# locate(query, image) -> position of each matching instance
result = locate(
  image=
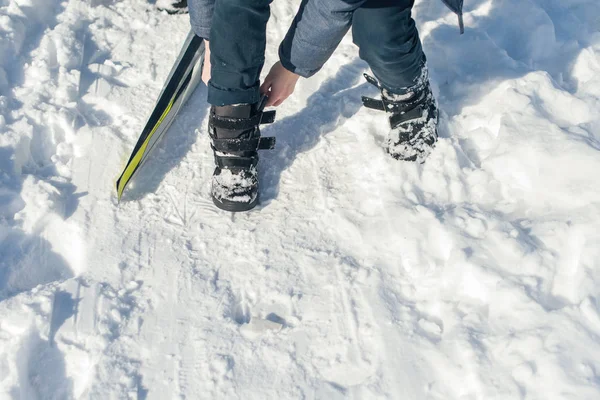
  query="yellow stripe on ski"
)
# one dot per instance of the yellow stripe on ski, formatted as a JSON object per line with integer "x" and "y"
{"x": 135, "y": 161}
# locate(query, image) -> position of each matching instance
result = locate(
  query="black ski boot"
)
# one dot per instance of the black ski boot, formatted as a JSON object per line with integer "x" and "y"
{"x": 235, "y": 139}
{"x": 173, "y": 6}
{"x": 413, "y": 119}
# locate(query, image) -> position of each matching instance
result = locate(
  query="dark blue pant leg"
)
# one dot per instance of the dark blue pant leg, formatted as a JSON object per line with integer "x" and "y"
{"x": 237, "y": 44}
{"x": 201, "y": 12}
{"x": 389, "y": 42}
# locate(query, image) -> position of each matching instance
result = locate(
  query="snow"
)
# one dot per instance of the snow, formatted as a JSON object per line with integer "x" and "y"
{"x": 233, "y": 186}
{"x": 472, "y": 276}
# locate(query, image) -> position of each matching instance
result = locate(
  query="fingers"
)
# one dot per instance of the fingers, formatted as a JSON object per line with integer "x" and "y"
{"x": 265, "y": 89}
{"x": 266, "y": 86}
{"x": 277, "y": 93}
{"x": 278, "y": 97}
{"x": 274, "y": 99}
{"x": 278, "y": 85}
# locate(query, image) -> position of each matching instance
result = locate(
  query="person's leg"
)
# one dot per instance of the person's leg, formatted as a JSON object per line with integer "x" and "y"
{"x": 201, "y": 15}
{"x": 237, "y": 42}
{"x": 237, "y": 38}
{"x": 389, "y": 42}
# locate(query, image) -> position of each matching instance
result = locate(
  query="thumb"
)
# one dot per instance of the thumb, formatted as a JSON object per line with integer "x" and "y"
{"x": 266, "y": 85}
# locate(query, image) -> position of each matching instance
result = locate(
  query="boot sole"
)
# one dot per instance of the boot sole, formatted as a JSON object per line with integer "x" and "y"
{"x": 234, "y": 206}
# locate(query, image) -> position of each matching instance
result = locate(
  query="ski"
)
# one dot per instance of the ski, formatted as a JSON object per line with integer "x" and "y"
{"x": 183, "y": 79}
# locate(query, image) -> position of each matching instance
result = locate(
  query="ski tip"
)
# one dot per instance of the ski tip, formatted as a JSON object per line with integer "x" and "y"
{"x": 119, "y": 191}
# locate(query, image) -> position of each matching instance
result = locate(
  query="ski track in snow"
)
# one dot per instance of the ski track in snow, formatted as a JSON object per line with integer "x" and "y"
{"x": 473, "y": 276}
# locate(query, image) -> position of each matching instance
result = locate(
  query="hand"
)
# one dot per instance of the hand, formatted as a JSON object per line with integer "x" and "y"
{"x": 206, "y": 67}
{"x": 279, "y": 84}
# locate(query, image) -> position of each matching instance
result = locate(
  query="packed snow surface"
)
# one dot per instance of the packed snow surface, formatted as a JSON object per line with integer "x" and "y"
{"x": 473, "y": 276}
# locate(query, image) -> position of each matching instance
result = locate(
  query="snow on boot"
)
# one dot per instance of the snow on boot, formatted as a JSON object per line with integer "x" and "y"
{"x": 235, "y": 139}
{"x": 172, "y": 6}
{"x": 413, "y": 119}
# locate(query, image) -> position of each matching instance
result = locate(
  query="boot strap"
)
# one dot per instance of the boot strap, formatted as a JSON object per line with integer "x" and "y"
{"x": 409, "y": 115}
{"x": 235, "y": 162}
{"x": 242, "y": 144}
{"x": 263, "y": 117}
{"x": 393, "y": 106}
{"x": 224, "y": 147}
{"x": 377, "y": 104}
{"x": 402, "y": 111}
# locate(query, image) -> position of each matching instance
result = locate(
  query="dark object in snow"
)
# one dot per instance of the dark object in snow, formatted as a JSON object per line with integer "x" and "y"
{"x": 173, "y": 6}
